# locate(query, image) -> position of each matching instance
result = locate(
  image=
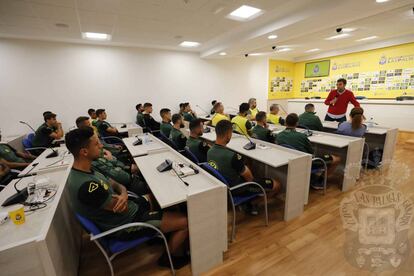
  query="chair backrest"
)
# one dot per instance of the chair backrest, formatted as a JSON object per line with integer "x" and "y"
{"x": 187, "y": 153}
{"x": 287, "y": 146}
{"x": 28, "y": 141}
{"x": 166, "y": 140}
{"x": 89, "y": 226}
{"x": 206, "y": 166}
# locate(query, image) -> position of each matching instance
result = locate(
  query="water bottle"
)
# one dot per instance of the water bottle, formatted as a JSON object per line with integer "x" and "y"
{"x": 146, "y": 138}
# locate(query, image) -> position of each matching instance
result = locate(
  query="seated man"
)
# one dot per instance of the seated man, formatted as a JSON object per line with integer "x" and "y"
{"x": 196, "y": 145}
{"x": 116, "y": 150}
{"x": 140, "y": 117}
{"x": 166, "y": 126}
{"x": 241, "y": 124}
{"x": 49, "y": 131}
{"x": 309, "y": 119}
{"x": 252, "y": 109}
{"x": 261, "y": 131}
{"x": 188, "y": 113}
{"x": 300, "y": 142}
{"x": 105, "y": 202}
{"x": 126, "y": 175}
{"x": 218, "y": 114}
{"x": 93, "y": 117}
{"x": 6, "y": 175}
{"x": 273, "y": 116}
{"x": 232, "y": 167}
{"x": 176, "y": 135}
{"x": 149, "y": 122}
{"x": 355, "y": 126}
{"x": 14, "y": 159}
{"x": 104, "y": 128}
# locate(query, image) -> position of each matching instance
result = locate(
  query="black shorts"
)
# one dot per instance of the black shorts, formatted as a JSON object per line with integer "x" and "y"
{"x": 266, "y": 183}
{"x": 326, "y": 157}
{"x": 144, "y": 214}
{"x": 138, "y": 186}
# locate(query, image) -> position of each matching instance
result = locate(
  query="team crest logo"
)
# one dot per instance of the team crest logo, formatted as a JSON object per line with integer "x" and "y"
{"x": 316, "y": 69}
{"x": 383, "y": 60}
{"x": 377, "y": 218}
{"x": 92, "y": 187}
{"x": 334, "y": 66}
{"x": 213, "y": 164}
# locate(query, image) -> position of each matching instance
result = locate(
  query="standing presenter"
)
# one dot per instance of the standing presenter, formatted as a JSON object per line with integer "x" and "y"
{"x": 338, "y": 100}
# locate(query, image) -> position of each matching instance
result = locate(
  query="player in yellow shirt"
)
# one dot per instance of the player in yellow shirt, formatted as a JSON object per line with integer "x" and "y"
{"x": 253, "y": 110}
{"x": 218, "y": 114}
{"x": 273, "y": 117}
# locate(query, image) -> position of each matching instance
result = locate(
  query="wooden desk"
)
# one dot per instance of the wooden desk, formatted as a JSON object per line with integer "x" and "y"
{"x": 376, "y": 137}
{"x": 42, "y": 164}
{"x": 150, "y": 146}
{"x": 350, "y": 149}
{"x": 206, "y": 199}
{"x": 291, "y": 167}
{"x": 49, "y": 241}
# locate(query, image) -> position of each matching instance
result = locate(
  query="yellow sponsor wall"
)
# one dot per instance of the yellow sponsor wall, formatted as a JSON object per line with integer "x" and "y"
{"x": 382, "y": 73}
{"x": 281, "y": 74}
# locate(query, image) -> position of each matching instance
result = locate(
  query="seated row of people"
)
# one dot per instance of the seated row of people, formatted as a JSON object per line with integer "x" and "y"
{"x": 96, "y": 194}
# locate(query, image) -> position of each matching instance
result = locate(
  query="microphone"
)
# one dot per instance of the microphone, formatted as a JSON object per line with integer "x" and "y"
{"x": 20, "y": 195}
{"x": 27, "y": 124}
{"x": 249, "y": 146}
{"x": 202, "y": 109}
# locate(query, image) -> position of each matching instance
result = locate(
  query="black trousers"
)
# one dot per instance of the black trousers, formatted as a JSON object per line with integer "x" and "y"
{"x": 330, "y": 119}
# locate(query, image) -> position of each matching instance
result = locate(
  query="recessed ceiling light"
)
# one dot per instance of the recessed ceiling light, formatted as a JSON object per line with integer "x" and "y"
{"x": 189, "y": 44}
{"x": 256, "y": 54}
{"x": 272, "y": 37}
{"x": 367, "y": 38}
{"x": 312, "y": 50}
{"x": 381, "y": 1}
{"x": 96, "y": 36}
{"x": 223, "y": 54}
{"x": 285, "y": 50}
{"x": 337, "y": 36}
{"x": 244, "y": 13}
{"x": 348, "y": 30}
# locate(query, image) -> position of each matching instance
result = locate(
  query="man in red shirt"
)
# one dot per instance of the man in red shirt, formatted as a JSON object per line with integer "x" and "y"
{"x": 338, "y": 100}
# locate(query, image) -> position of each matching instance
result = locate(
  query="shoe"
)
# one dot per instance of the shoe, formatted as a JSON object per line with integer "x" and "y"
{"x": 178, "y": 262}
{"x": 251, "y": 209}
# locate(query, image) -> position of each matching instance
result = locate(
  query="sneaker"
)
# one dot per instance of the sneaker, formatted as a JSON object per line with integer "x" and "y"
{"x": 178, "y": 262}
{"x": 251, "y": 209}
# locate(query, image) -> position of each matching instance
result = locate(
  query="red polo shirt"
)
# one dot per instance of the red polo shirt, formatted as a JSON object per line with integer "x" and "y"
{"x": 341, "y": 105}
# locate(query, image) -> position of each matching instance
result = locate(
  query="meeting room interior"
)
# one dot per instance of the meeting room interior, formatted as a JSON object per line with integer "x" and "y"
{"x": 206, "y": 137}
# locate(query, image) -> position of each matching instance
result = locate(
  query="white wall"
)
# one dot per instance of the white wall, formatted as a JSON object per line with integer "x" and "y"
{"x": 69, "y": 78}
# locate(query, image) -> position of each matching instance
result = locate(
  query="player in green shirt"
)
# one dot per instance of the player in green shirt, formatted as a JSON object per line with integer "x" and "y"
{"x": 105, "y": 129}
{"x": 106, "y": 202}
{"x": 49, "y": 131}
{"x": 176, "y": 135}
{"x": 140, "y": 117}
{"x": 188, "y": 114}
{"x": 232, "y": 167}
{"x": 261, "y": 131}
{"x": 309, "y": 119}
{"x": 14, "y": 159}
{"x": 166, "y": 125}
{"x": 196, "y": 145}
{"x": 301, "y": 142}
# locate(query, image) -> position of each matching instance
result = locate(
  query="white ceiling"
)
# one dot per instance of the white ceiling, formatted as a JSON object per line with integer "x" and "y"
{"x": 299, "y": 24}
